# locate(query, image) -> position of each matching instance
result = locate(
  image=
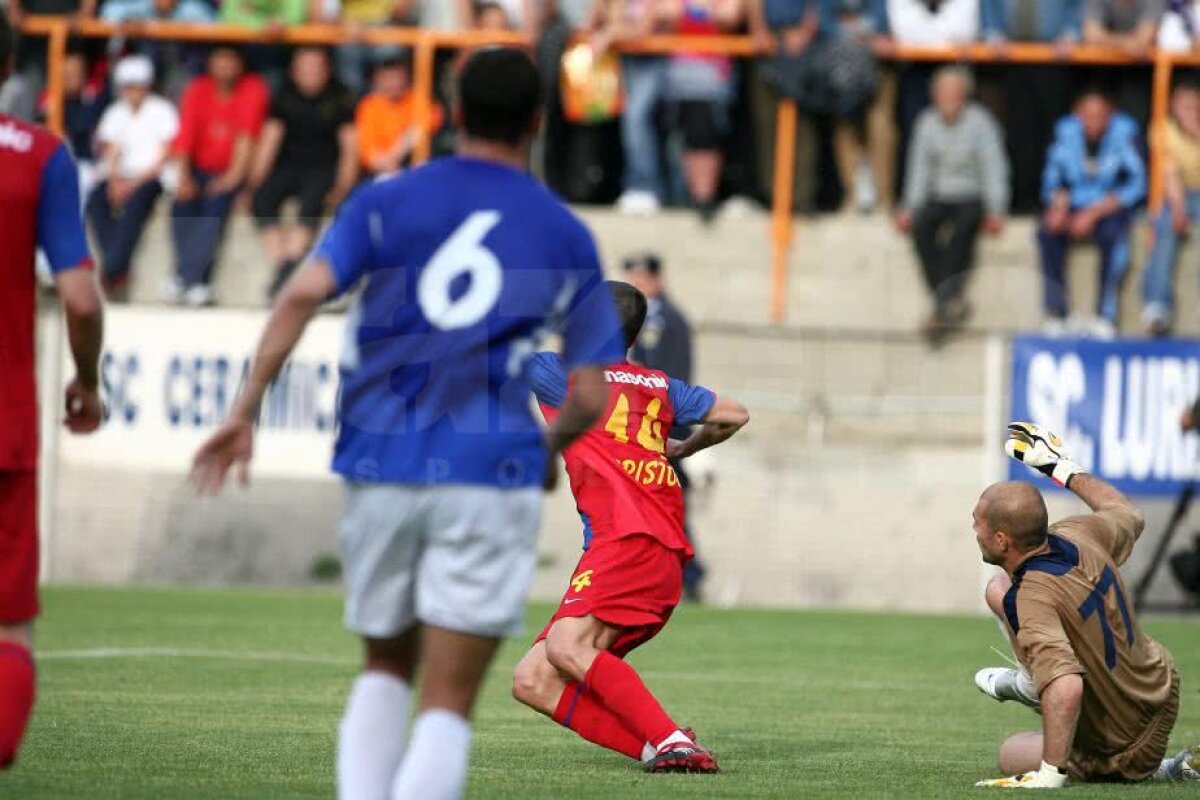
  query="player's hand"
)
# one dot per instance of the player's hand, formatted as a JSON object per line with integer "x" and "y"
{"x": 674, "y": 449}
{"x": 230, "y": 444}
{"x": 1037, "y": 447}
{"x": 1048, "y": 777}
{"x": 84, "y": 410}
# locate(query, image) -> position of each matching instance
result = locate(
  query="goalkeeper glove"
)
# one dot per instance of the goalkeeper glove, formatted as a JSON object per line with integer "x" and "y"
{"x": 1037, "y": 447}
{"x": 1048, "y": 777}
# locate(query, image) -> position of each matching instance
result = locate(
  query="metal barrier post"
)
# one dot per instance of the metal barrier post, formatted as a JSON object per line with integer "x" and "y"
{"x": 1156, "y": 140}
{"x": 56, "y": 56}
{"x": 783, "y": 224}
{"x": 423, "y": 78}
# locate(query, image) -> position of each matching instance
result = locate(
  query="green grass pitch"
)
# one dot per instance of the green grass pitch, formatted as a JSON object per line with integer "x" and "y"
{"x": 236, "y": 694}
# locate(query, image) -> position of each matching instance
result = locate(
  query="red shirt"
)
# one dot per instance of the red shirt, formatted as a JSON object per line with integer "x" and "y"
{"x": 210, "y": 122}
{"x": 39, "y": 207}
{"x": 622, "y": 482}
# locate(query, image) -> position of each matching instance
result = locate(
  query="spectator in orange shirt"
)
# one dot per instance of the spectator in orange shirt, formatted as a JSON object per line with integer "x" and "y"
{"x": 386, "y": 118}
{"x": 221, "y": 114}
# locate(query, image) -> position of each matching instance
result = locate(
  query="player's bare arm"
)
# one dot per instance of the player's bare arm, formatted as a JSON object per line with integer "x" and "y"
{"x": 83, "y": 306}
{"x": 1100, "y": 495}
{"x": 1061, "y": 700}
{"x": 726, "y": 417}
{"x": 583, "y": 406}
{"x": 232, "y": 443}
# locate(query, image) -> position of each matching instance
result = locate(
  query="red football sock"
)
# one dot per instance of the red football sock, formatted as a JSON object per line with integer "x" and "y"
{"x": 579, "y": 710}
{"x": 16, "y": 698}
{"x": 617, "y": 686}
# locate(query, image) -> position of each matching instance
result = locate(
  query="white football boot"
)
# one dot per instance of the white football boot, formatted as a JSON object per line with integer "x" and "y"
{"x": 1008, "y": 683}
{"x": 1182, "y": 768}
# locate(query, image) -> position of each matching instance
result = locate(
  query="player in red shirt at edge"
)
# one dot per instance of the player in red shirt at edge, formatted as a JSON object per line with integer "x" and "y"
{"x": 630, "y": 576}
{"x": 39, "y": 207}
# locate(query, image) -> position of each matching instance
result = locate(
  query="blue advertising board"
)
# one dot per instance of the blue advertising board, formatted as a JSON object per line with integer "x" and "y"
{"x": 1116, "y": 404}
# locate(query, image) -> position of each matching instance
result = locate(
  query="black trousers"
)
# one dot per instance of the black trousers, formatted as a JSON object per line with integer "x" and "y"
{"x": 945, "y": 234}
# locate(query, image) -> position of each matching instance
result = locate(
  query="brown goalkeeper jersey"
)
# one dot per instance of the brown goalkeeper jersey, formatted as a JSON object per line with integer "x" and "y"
{"x": 1070, "y": 613}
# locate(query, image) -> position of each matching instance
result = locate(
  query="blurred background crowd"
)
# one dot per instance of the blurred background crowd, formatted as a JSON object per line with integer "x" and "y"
{"x": 949, "y": 153}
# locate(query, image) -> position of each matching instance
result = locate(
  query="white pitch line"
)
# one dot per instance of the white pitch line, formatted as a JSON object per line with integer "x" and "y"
{"x": 180, "y": 652}
{"x": 782, "y": 681}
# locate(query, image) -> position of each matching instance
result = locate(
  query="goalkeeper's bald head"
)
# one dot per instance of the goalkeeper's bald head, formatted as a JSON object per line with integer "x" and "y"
{"x": 1017, "y": 509}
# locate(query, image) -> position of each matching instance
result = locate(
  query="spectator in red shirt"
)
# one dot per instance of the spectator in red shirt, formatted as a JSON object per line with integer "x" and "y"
{"x": 221, "y": 116}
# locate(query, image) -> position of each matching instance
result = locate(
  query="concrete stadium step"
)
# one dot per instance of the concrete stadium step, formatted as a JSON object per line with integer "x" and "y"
{"x": 846, "y": 272}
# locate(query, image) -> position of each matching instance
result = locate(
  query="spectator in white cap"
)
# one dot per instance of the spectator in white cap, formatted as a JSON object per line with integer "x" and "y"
{"x": 133, "y": 141}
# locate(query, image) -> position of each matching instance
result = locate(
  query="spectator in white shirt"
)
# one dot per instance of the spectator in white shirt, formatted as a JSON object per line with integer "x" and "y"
{"x": 133, "y": 139}
{"x": 934, "y": 22}
{"x": 1179, "y": 30}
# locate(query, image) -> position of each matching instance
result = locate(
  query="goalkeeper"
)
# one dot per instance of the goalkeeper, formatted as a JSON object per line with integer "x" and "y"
{"x": 1108, "y": 694}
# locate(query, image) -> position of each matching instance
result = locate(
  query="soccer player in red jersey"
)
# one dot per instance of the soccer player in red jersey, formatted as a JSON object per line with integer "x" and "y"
{"x": 630, "y": 577}
{"x": 39, "y": 207}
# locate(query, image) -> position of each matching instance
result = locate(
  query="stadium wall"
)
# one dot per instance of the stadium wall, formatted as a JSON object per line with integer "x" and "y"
{"x": 852, "y": 487}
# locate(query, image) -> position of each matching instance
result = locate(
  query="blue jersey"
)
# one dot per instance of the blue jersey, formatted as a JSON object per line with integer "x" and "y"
{"x": 465, "y": 265}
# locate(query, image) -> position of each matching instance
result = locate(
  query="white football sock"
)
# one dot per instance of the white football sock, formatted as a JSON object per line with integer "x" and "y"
{"x": 648, "y": 752}
{"x": 678, "y": 737}
{"x": 371, "y": 736}
{"x": 435, "y": 767}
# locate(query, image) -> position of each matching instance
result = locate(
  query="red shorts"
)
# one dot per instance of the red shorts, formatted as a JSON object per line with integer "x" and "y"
{"x": 18, "y": 546}
{"x": 632, "y": 583}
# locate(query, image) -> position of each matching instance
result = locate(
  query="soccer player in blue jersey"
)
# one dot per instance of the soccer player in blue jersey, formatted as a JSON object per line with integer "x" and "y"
{"x": 464, "y": 264}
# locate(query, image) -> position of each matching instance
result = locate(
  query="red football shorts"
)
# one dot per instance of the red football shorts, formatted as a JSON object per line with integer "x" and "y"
{"x": 632, "y": 583}
{"x": 18, "y": 546}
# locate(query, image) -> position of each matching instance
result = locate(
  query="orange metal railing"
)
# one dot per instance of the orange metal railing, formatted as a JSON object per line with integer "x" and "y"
{"x": 425, "y": 44}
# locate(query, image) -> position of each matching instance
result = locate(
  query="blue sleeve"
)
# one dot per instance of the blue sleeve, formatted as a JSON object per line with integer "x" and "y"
{"x": 346, "y": 245}
{"x": 1053, "y": 178}
{"x": 1073, "y": 14}
{"x": 691, "y": 403}
{"x": 547, "y": 379}
{"x": 60, "y": 231}
{"x": 1132, "y": 190}
{"x": 590, "y": 329}
{"x": 879, "y": 17}
{"x": 992, "y": 19}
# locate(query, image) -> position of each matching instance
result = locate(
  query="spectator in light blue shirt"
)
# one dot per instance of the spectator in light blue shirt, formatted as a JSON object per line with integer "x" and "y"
{"x": 1093, "y": 179}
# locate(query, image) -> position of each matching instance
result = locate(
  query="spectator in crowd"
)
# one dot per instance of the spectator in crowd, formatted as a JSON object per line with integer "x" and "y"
{"x": 864, "y": 99}
{"x": 957, "y": 183}
{"x": 1179, "y": 30}
{"x": 85, "y": 97}
{"x": 271, "y": 14}
{"x": 31, "y": 50}
{"x": 490, "y": 16}
{"x": 354, "y": 57}
{"x": 787, "y": 29}
{"x": 926, "y": 23}
{"x": 386, "y": 121}
{"x": 1130, "y": 26}
{"x": 134, "y": 139}
{"x": 1094, "y": 178}
{"x": 1035, "y": 95}
{"x": 1181, "y": 178}
{"x": 645, "y": 89}
{"x": 306, "y": 152}
{"x": 700, "y": 90}
{"x": 665, "y": 344}
{"x": 221, "y": 113}
{"x": 16, "y": 98}
{"x": 120, "y": 11}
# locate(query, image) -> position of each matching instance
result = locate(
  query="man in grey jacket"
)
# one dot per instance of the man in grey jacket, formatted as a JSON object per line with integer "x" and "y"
{"x": 957, "y": 183}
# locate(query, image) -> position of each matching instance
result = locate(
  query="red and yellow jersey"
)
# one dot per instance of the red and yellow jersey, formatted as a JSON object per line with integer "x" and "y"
{"x": 39, "y": 208}
{"x": 621, "y": 479}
